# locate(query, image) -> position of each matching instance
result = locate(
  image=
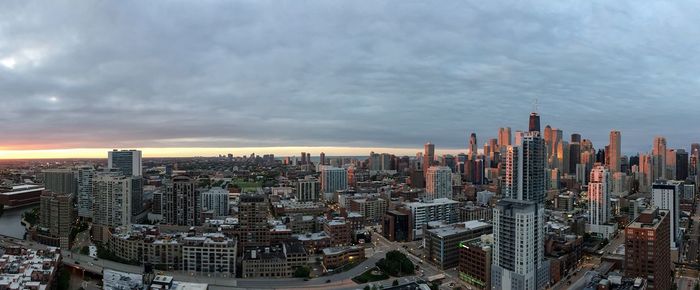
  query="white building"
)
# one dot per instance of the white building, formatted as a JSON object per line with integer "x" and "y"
{"x": 438, "y": 182}
{"x": 209, "y": 253}
{"x": 216, "y": 199}
{"x": 112, "y": 193}
{"x": 439, "y": 209}
{"x": 666, "y": 195}
{"x": 599, "y": 196}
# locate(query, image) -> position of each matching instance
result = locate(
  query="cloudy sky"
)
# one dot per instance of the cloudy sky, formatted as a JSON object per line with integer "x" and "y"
{"x": 365, "y": 74}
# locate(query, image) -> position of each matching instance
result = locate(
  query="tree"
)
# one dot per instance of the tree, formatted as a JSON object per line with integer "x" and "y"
{"x": 395, "y": 283}
{"x": 302, "y": 272}
{"x": 367, "y": 287}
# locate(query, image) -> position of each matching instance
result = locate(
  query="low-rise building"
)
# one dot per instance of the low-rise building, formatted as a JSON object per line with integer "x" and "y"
{"x": 340, "y": 256}
{"x": 209, "y": 253}
{"x": 475, "y": 261}
{"x": 442, "y": 244}
{"x": 265, "y": 263}
{"x": 339, "y": 231}
{"x": 472, "y": 212}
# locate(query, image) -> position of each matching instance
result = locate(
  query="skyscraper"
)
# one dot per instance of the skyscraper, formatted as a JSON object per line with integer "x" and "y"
{"x": 504, "y": 138}
{"x": 322, "y": 159}
{"x": 647, "y": 251}
{"x": 614, "y": 153}
{"x": 428, "y": 156}
{"x": 574, "y": 153}
{"x": 658, "y": 158}
{"x": 253, "y": 211}
{"x": 85, "y": 195}
{"x": 216, "y": 200}
{"x": 681, "y": 164}
{"x": 112, "y": 201}
{"x": 60, "y": 181}
{"x": 438, "y": 182}
{"x": 181, "y": 202}
{"x": 56, "y": 216}
{"x": 667, "y": 195}
{"x": 333, "y": 179}
{"x": 473, "y": 147}
{"x": 129, "y": 163}
{"x": 519, "y": 261}
{"x": 534, "y": 125}
{"x": 599, "y": 188}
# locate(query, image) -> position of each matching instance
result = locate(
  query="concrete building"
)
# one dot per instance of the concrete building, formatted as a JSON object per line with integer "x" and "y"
{"x": 129, "y": 163}
{"x": 475, "y": 261}
{"x": 181, "y": 202}
{"x": 337, "y": 257}
{"x": 658, "y": 159}
{"x": 647, "y": 250}
{"x": 428, "y": 157}
{"x": 441, "y": 209}
{"x": 85, "y": 195}
{"x": 216, "y": 199}
{"x": 112, "y": 201}
{"x": 308, "y": 189}
{"x": 397, "y": 226}
{"x": 441, "y": 245}
{"x": 253, "y": 226}
{"x": 265, "y": 263}
{"x": 525, "y": 169}
{"x": 438, "y": 182}
{"x": 599, "y": 188}
{"x": 614, "y": 152}
{"x": 504, "y": 137}
{"x": 372, "y": 208}
{"x": 209, "y": 253}
{"x": 62, "y": 181}
{"x": 518, "y": 254}
{"x": 56, "y": 219}
{"x": 471, "y": 212}
{"x": 339, "y": 231}
{"x": 666, "y": 195}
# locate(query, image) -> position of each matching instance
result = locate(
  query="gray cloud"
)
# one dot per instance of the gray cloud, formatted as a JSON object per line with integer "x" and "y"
{"x": 353, "y": 73}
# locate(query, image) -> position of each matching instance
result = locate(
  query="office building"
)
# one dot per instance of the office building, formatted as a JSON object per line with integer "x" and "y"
{"x": 614, "y": 152}
{"x": 216, "y": 199}
{"x": 504, "y": 137}
{"x": 658, "y": 159}
{"x": 181, "y": 202}
{"x": 442, "y": 244}
{"x": 534, "y": 124}
{"x": 472, "y": 151}
{"x": 428, "y": 157}
{"x": 397, "y": 226}
{"x": 438, "y": 182}
{"x": 525, "y": 169}
{"x": 681, "y": 165}
{"x": 647, "y": 250}
{"x": 475, "y": 261}
{"x": 666, "y": 195}
{"x": 129, "y": 163}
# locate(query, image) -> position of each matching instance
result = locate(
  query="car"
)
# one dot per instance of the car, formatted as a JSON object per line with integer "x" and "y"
{"x": 328, "y": 281}
{"x": 77, "y": 263}
{"x": 306, "y": 279}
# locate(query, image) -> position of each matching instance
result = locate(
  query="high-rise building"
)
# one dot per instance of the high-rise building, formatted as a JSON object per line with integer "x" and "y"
{"x": 112, "y": 199}
{"x": 428, "y": 156}
{"x": 658, "y": 159}
{"x": 129, "y": 163}
{"x": 438, "y": 182}
{"x": 308, "y": 189}
{"x": 645, "y": 172}
{"x": 614, "y": 154}
{"x": 85, "y": 195}
{"x": 504, "y": 137}
{"x": 534, "y": 125}
{"x": 681, "y": 164}
{"x": 322, "y": 159}
{"x": 333, "y": 179}
{"x": 181, "y": 202}
{"x": 647, "y": 250}
{"x": 56, "y": 217}
{"x": 574, "y": 153}
{"x": 216, "y": 199}
{"x": 518, "y": 257}
{"x": 252, "y": 219}
{"x": 518, "y": 253}
{"x": 666, "y": 195}
{"x": 599, "y": 188}
{"x": 670, "y": 163}
{"x": 473, "y": 147}
{"x": 60, "y": 181}
{"x": 525, "y": 169}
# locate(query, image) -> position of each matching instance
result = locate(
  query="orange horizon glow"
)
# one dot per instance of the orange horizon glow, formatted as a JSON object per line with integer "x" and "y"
{"x": 212, "y": 152}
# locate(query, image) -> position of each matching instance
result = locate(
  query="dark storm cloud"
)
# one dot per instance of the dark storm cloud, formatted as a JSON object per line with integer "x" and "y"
{"x": 353, "y": 73}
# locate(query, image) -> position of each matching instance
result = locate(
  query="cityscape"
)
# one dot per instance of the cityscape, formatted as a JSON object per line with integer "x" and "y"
{"x": 352, "y": 145}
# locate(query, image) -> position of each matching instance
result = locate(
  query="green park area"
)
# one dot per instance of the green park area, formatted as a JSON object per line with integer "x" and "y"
{"x": 371, "y": 275}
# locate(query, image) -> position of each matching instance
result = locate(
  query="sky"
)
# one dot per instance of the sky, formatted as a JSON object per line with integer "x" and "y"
{"x": 211, "y": 77}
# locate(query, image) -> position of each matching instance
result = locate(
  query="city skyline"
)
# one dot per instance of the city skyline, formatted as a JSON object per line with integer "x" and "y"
{"x": 202, "y": 77}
